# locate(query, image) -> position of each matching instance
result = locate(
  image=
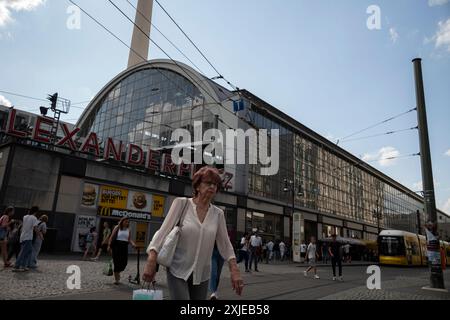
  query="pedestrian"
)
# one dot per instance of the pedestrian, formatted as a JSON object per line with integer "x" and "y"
{"x": 105, "y": 238}
{"x": 270, "y": 245}
{"x": 118, "y": 247}
{"x": 216, "y": 269}
{"x": 14, "y": 240}
{"x": 255, "y": 248}
{"x": 347, "y": 255}
{"x": 324, "y": 252}
{"x": 311, "y": 255}
{"x": 282, "y": 250}
{"x": 91, "y": 243}
{"x": 334, "y": 250}
{"x": 5, "y": 224}
{"x": 302, "y": 252}
{"x": 202, "y": 225}
{"x": 38, "y": 239}
{"x": 244, "y": 250}
{"x": 29, "y": 225}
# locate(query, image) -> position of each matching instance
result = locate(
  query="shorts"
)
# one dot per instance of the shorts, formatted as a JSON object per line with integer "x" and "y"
{"x": 312, "y": 262}
{"x": 3, "y": 233}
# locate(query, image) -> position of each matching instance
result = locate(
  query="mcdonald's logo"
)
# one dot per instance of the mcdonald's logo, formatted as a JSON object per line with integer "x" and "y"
{"x": 104, "y": 211}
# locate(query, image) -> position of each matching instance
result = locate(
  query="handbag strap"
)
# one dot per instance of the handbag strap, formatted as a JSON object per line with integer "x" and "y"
{"x": 180, "y": 222}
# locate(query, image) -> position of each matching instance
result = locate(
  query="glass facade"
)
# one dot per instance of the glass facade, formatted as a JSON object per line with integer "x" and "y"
{"x": 146, "y": 106}
{"x": 331, "y": 184}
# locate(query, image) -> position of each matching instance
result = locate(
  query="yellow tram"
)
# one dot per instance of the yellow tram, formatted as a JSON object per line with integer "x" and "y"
{"x": 404, "y": 248}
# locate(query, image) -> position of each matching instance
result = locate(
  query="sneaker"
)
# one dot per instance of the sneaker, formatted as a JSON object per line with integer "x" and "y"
{"x": 94, "y": 259}
{"x": 213, "y": 296}
{"x": 334, "y": 278}
{"x": 316, "y": 276}
{"x": 341, "y": 278}
{"x": 247, "y": 270}
{"x": 256, "y": 270}
{"x": 305, "y": 273}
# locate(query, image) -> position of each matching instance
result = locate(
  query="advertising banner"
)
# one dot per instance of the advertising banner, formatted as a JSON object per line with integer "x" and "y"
{"x": 296, "y": 237}
{"x": 82, "y": 227}
{"x": 158, "y": 206}
{"x": 140, "y": 201}
{"x": 112, "y": 197}
{"x": 90, "y": 195}
{"x": 141, "y": 234}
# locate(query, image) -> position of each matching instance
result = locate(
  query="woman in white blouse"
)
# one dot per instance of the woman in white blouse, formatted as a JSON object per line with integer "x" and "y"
{"x": 203, "y": 225}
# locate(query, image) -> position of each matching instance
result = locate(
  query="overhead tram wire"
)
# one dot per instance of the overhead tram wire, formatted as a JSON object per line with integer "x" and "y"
{"x": 377, "y": 124}
{"x": 209, "y": 62}
{"x": 23, "y": 96}
{"x": 381, "y": 134}
{"x": 141, "y": 14}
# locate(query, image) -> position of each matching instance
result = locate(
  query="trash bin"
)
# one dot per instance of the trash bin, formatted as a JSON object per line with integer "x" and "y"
{"x": 49, "y": 243}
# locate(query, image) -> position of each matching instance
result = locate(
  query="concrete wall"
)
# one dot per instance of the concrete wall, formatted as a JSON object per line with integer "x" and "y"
{"x": 33, "y": 179}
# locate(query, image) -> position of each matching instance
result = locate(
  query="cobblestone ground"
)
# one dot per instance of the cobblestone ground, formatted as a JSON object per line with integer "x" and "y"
{"x": 400, "y": 288}
{"x": 50, "y": 279}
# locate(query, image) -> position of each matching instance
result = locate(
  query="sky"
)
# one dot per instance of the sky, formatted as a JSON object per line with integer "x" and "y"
{"x": 335, "y": 66}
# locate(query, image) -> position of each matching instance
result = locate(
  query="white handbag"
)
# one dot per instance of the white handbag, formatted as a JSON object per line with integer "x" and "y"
{"x": 167, "y": 251}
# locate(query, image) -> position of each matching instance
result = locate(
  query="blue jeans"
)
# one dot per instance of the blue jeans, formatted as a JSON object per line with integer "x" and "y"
{"x": 26, "y": 251}
{"x": 216, "y": 269}
{"x": 36, "y": 249}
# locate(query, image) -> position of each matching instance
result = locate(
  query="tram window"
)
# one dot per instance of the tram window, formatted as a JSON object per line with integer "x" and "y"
{"x": 392, "y": 246}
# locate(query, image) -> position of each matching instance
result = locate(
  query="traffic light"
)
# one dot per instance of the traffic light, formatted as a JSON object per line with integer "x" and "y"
{"x": 53, "y": 99}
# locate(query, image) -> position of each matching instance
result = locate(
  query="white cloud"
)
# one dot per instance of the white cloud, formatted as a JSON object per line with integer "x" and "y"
{"x": 394, "y": 35}
{"x": 442, "y": 36}
{"x": 383, "y": 156}
{"x": 446, "y": 207}
{"x": 433, "y": 3}
{"x": 417, "y": 186}
{"x": 5, "y": 102}
{"x": 6, "y": 6}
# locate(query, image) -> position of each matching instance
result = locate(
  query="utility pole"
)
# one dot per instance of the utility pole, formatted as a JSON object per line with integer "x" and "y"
{"x": 433, "y": 247}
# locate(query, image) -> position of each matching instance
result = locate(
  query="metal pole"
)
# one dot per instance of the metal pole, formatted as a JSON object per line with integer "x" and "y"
{"x": 436, "y": 278}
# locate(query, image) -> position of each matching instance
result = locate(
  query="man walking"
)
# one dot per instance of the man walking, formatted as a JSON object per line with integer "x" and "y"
{"x": 269, "y": 251}
{"x": 29, "y": 226}
{"x": 302, "y": 252}
{"x": 335, "y": 252}
{"x": 255, "y": 248}
{"x": 311, "y": 255}
{"x": 282, "y": 250}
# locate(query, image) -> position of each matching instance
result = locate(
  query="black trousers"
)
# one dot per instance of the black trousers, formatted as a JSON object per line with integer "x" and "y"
{"x": 337, "y": 260}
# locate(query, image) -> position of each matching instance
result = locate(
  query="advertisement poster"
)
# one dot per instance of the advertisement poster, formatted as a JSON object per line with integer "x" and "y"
{"x": 140, "y": 201}
{"x": 83, "y": 224}
{"x": 90, "y": 195}
{"x": 158, "y": 206}
{"x": 296, "y": 230}
{"x": 141, "y": 234}
{"x": 112, "y": 197}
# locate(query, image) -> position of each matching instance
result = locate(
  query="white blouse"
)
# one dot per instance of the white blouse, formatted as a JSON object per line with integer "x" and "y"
{"x": 196, "y": 241}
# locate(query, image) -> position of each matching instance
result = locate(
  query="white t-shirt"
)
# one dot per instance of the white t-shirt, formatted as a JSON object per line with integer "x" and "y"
{"x": 302, "y": 248}
{"x": 282, "y": 246}
{"x": 270, "y": 246}
{"x": 29, "y": 222}
{"x": 244, "y": 244}
{"x": 311, "y": 251}
{"x": 255, "y": 241}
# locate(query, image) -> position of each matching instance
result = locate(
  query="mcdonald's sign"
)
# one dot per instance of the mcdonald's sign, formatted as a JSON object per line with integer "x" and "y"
{"x": 118, "y": 213}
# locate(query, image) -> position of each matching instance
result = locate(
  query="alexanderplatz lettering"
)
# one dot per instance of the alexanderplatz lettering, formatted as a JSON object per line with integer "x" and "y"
{"x": 134, "y": 154}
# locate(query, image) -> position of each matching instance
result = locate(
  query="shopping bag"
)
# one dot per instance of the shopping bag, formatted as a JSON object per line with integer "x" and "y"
{"x": 108, "y": 269}
{"x": 147, "y": 294}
